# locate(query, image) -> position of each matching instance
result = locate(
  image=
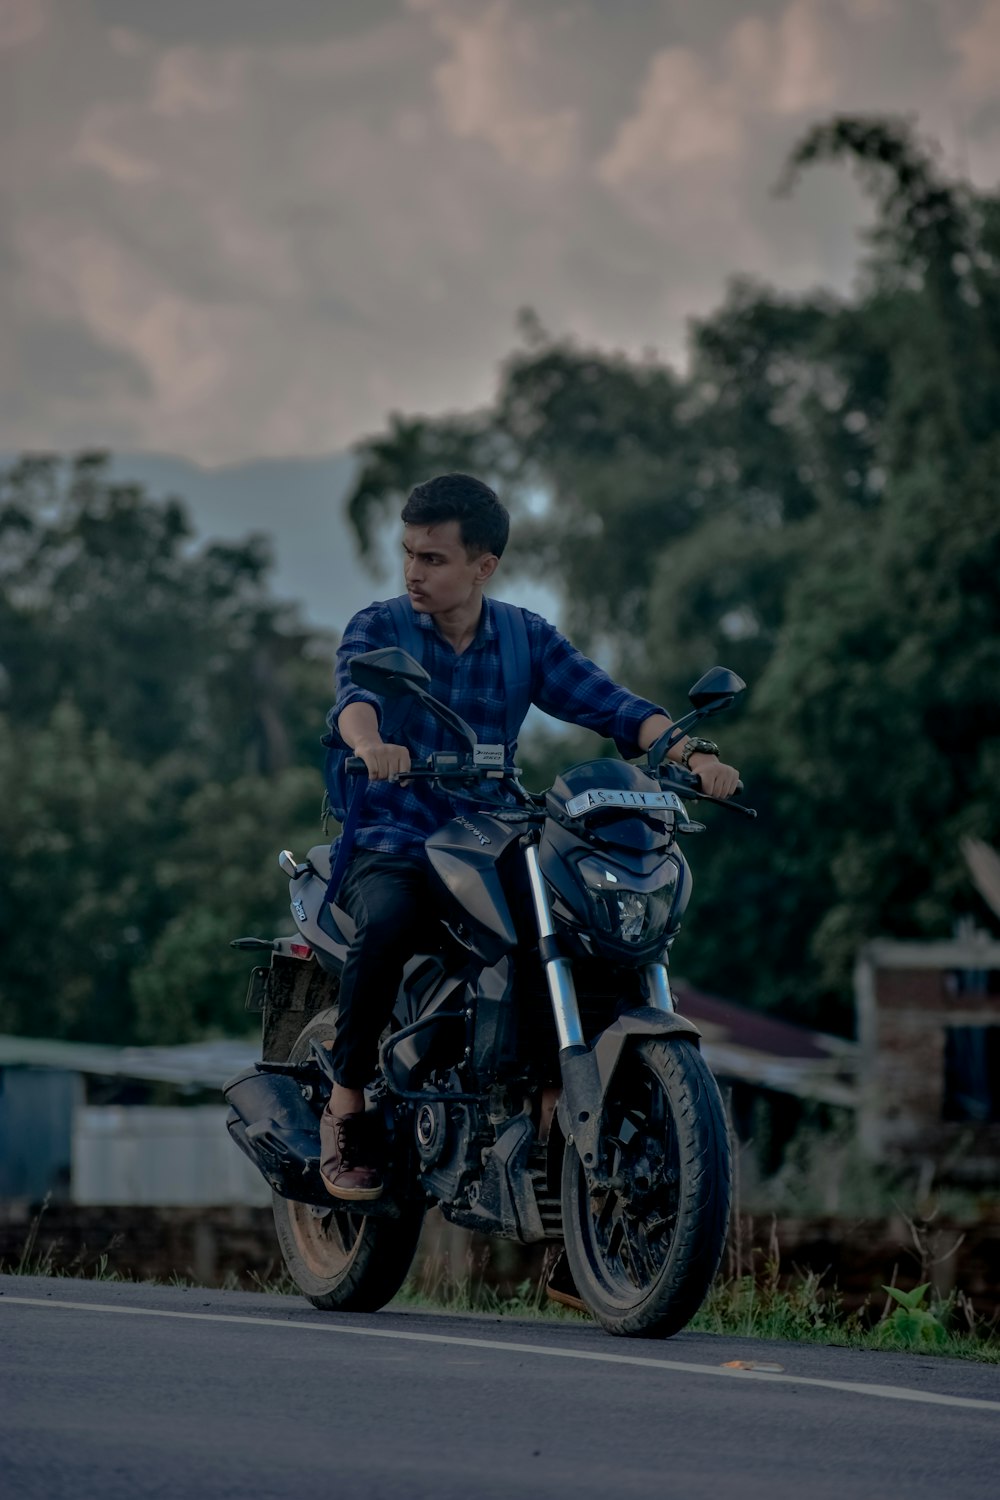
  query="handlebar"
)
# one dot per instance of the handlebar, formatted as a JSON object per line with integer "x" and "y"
{"x": 459, "y": 768}
{"x": 442, "y": 765}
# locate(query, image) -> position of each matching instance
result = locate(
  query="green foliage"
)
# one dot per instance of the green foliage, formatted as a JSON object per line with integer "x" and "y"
{"x": 159, "y": 719}
{"x": 752, "y": 1307}
{"x": 911, "y": 1323}
{"x": 177, "y": 989}
{"x": 815, "y": 505}
{"x": 78, "y": 821}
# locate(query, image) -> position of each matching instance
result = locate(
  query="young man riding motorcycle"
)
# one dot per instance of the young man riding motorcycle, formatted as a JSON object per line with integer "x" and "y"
{"x": 455, "y": 531}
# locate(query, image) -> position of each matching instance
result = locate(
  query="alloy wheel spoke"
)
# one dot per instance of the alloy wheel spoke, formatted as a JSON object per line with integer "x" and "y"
{"x": 607, "y": 1212}
{"x": 341, "y": 1229}
{"x": 616, "y": 1239}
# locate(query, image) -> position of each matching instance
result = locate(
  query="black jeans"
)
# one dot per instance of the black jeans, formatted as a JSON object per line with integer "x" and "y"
{"x": 388, "y": 895}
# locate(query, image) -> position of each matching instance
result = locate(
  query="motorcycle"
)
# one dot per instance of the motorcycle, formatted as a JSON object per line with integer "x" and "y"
{"x": 547, "y": 971}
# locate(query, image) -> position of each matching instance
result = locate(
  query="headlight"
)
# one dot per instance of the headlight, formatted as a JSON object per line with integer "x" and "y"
{"x": 633, "y": 917}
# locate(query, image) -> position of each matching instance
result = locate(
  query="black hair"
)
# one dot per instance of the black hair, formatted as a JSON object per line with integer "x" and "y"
{"x": 484, "y": 523}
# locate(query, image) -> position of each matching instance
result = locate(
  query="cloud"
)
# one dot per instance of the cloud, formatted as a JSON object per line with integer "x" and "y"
{"x": 493, "y": 81}
{"x": 94, "y": 278}
{"x": 264, "y": 236}
{"x": 683, "y": 117}
{"x": 272, "y": 235}
{"x": 103, "y": 143}
{"x": 189, "y": 82}
{"x": 977, "y": 46}
{"x": 693, "y": 110}
{"x": 696, "y": 156}
{"x": 21, "y": 21}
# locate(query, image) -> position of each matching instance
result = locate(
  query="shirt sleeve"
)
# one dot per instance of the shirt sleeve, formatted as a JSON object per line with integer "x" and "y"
{"x": 368, "y": 630}
{"x": 571, "y": 687}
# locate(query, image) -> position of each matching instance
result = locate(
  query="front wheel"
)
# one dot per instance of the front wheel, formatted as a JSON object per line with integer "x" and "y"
{"x": 342, "y": 1261}
{"x": 644, "y": 1249}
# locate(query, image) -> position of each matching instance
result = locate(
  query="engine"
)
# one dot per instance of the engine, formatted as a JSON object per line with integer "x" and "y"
{"x": 448, "y": 1142}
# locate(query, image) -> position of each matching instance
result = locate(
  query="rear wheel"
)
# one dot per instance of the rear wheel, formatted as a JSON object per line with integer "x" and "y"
{"x": 341, "y": 1261}
{"x": 645, "y": 1249}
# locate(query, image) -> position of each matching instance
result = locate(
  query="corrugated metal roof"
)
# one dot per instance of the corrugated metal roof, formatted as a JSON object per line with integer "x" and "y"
{"x": 762, "y": 1033}
{"x": 739, "y": 1043}
{"x": 196, "y": 1064}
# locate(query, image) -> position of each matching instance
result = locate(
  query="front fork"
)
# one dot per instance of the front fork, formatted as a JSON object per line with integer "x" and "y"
{"x": 559, "y": 970}
{"x": 579, "y": 1105}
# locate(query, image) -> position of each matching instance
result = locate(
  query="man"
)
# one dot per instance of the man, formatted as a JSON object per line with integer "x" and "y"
{"x": 455, "y": 531}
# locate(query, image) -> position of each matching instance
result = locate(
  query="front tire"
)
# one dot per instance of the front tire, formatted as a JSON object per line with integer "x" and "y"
{"x": 644, "y": 1253}
{"x": 342, "y": 1261}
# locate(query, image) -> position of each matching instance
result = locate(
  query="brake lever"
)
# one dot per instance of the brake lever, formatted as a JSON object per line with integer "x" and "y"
{"x": 688, "y": 784}
{"x": 737, "y": 807}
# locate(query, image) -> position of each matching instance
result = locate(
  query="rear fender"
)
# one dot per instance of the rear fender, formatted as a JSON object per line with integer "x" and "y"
{"x": 587, "y": 1072}
{"x": 328, "y": 930}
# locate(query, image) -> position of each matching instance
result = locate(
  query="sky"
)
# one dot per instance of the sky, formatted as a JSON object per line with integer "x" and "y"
{"x": 239, "y": 229}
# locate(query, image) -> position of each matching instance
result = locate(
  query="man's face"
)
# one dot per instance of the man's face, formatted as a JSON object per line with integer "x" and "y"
{"x": 440, "y": 575}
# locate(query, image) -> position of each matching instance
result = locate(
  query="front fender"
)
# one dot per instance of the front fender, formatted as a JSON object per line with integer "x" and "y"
{"x": 587, "y": 1072}
{"x": 646, "y": 1021}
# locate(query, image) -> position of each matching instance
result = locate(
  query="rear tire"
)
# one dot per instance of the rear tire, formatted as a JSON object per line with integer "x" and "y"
{"x": 643, "y": 1255}
{"x": 342, "y": 1261}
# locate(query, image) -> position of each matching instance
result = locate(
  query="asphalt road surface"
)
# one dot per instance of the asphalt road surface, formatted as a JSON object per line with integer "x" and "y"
{"x": 111, "y": 1391}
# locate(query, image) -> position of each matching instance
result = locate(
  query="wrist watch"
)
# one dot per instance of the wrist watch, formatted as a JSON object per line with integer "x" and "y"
{"x": 695, "y": 746}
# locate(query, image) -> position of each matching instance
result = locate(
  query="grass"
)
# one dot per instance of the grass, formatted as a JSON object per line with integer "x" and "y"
{"x": 762, "y": 1305}
{"x": 87, "y": 1265}
{"x": 807, "y": 1312}
{"x": 437, "y": 1286}
{"x": 32, "y": 1262}
{"x": 802, "y": 1312}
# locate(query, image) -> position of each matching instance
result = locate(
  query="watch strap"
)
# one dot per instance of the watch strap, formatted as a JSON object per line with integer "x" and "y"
{"x": 695, "y": 746}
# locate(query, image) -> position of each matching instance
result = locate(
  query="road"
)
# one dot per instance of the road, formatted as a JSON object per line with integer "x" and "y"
{"x": 110, "y": 1390}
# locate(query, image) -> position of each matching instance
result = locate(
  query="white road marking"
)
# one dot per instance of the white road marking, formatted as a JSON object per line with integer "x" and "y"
{"x": 854, "y": 1388}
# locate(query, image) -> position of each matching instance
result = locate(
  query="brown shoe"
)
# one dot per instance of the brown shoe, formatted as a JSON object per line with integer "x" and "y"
{"x": 344, "y": 1146}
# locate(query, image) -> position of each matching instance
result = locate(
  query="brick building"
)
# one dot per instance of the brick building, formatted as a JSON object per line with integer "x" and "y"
{"x": 928, "y": 1027}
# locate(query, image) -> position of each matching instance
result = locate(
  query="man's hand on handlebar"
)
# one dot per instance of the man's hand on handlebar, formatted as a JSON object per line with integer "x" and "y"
{"x": 717, "y": 779}
{"x": 383, "y": 761}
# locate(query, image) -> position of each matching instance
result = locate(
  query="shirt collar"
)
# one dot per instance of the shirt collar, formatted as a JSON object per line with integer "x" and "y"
{"x": 486, "y": 631}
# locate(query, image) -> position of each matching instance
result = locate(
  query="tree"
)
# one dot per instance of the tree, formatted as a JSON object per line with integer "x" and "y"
{"x": 812, "y": 504}
{"x": 105, "y": 601}
{"x": 158, "y": 745}
{"x": 79, "y": 823}
{"x": 883, "y": 692}
{"x": 218, "y": 879}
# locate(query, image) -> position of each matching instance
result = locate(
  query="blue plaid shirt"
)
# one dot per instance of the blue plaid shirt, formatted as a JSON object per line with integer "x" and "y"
{"x": 397, "y": 819}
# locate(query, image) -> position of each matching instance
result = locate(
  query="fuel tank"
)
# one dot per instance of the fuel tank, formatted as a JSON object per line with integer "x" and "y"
{"x": 464, "y": 856}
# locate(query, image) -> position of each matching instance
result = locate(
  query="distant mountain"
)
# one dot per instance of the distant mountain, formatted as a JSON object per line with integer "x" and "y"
{"x": 299, "y": 503}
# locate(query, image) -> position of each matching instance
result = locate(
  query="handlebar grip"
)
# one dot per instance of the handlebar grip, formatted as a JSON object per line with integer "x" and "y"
{"x": 355, "y": 766}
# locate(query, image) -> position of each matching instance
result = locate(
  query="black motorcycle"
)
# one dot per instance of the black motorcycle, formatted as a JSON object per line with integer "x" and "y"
{"x": 547, "y": 972}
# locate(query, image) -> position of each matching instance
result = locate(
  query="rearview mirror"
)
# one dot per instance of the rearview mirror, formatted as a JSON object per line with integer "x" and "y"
{"x": 716, "y": 689}
{"x": 390, "y": 672}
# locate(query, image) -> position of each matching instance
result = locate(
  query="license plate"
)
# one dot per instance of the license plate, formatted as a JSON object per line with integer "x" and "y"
{"x": 598, "y": 797}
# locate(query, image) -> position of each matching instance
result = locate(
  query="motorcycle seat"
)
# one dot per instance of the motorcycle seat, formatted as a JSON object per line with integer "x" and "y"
{"x": 319, "y": 858}
{"x": 332, "y": 919}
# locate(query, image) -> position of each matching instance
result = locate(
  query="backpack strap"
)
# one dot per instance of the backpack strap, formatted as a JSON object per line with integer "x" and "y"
{"x": 515, "y": 661}
{"x": 515, "y": 658}
{"x": 409, "y": 636}
{"x": 345, "y": 845}
{"x": 516, "y": 670}
{"x": 408, "y": 633}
